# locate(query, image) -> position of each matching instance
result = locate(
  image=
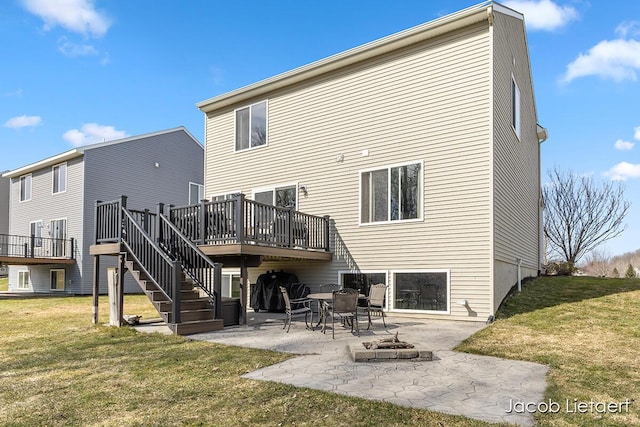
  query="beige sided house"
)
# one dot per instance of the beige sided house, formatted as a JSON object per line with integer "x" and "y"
{"x": 422, "y": 147}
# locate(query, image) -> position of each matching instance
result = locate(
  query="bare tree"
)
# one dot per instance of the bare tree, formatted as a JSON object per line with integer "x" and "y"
{"x": 580, "y": 214}
{"x": 598, "y": 263}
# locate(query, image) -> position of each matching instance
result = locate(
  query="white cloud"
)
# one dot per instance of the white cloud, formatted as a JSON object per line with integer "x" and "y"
{"x": 628, "y": 28}
{"x": 615, "y": 59}
{"x": 79, "y": 16}
{"x": 623, "y": 171}
{"x": 23, "y": 122}
{"x": 624, "y": 145}
{"x": 636, "y": 133}
{"x": 73, "y": 50}
{"x": 92, "y": 133}
{"x": 543, "y": 14}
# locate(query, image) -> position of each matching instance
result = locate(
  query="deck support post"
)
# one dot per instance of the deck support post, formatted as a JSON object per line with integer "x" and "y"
{"x": 96, "y": 287}
{"x": 244, "y": 286}
{"x": 120, "y": 287}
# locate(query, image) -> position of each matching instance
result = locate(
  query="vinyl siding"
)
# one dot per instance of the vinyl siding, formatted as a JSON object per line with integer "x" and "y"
{"x": 46, "y": 206}
{"x": 5, "y": 185}
{"x": 428, "y": 103}
{"x": 129, "y": 169}
{"x": 517, "y": 161}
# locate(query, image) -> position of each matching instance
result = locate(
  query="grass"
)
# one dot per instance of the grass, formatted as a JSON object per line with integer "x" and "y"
{"x": 58, "y": 369}
{"x": 4, "y": 284}
{"x": 587, "y": 330}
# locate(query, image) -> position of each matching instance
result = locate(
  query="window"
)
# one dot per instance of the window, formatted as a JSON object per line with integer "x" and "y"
{"x": 282, "y": 197}
{"x": 225, "y": 196}
{"x": 362, "y": 280}
{"x": 58, "y": 237}
{"x": 251, "y": 126}
{"x": 231, "y": 285}
{"x": 421, "y": 290}
{"x": 196, "y": 193}
{"x": 59, "y": 178}
{"x": 23, "y": 280}
{"x": 57, "y": 279}
{"x": 515, "y": 107}
{"x": 25, "y": 188}
{"x": 391, "y": 194}
{"x": 36, "y": 230}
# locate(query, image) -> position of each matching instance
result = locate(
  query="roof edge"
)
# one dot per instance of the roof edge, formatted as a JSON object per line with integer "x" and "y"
{"x": 79, "y": 151}
{"x": 360, "y": 53}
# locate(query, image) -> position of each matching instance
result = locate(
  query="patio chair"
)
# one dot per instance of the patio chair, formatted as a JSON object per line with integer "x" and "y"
{"x": 303, "y": 307}
{"x": 344, "y": 304}
{"x": 375, "y": 302}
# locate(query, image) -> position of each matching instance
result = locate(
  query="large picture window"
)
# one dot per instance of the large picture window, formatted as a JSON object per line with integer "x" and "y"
{"x": 59, "y": 178}
{"x": 25, "y": 188}
{"x": 362, "y": 281}
{"x": 421, "y": 290}
{"x": 251, "y": 126}
{"x": 391, "y": 194}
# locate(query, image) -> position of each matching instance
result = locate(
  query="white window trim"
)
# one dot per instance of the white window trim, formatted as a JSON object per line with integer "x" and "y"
{"x": 224, "y": 194}
{"x": 386, "y": 276}
{"x": 516, "y": 108}
{"x": 235, "y": 128}
{"x": 274, "y": 187}
{"x": 28, "y": 284}
{"x": 66, "y": 232}
{"x": 420, "y": 217}
{"x": 199, "y": 192}
{"x": 404, "y": 310}
{"x": 64, "y": 282}
{"x": 53, "y": 178}
{"x": 41, "y": 228}
{"x": 20, "y": 187}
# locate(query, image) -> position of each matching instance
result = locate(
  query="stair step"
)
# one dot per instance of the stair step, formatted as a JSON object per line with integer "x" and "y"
{"x": 189, "y": 315}
{"x": 186, "y": 328}
{"x": 195, "y": 304}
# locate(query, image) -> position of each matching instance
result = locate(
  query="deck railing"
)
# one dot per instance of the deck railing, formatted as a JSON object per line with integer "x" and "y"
{"x": 36, "y": 247}
{"x": 194, "y": 263}
{"x": 240, "y": 220}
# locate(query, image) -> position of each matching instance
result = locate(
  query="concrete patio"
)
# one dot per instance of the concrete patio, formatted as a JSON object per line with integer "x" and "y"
{"x": 478, "y": 387}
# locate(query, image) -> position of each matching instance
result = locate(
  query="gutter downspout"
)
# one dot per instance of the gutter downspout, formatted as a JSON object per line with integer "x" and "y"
{"x": 519, "y": 261}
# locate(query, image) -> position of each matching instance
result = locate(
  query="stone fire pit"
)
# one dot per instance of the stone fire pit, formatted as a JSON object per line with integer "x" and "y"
{"x": 388, "y": 349}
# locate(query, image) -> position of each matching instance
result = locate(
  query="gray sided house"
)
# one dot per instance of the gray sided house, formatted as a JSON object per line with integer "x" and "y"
{"x": 4, "y": 213}
{"x": 52, "y": 204}
{"x": 423, "y": 149}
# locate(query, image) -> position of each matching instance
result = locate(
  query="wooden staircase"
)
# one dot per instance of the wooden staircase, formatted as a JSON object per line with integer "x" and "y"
{"x": 196, "y": 312}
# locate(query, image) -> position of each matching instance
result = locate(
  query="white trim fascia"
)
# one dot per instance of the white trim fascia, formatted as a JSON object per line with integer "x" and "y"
{"x": 492, "y": 170}
{"x": 45, "y": 163}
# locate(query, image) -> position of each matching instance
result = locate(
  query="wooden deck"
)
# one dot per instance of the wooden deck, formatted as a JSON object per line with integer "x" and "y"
{"x": 12, "y": 260}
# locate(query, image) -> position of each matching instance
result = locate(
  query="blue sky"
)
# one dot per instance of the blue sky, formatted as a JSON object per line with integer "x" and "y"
{"x": 80, "y": 71}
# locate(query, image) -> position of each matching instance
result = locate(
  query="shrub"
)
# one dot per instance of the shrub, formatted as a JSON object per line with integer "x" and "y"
{"x": 631, "y": 273}
{"x": 615, "y": 273}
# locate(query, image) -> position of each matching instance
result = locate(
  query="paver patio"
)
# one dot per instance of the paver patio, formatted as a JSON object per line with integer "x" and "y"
{"x": 478, "y": 387}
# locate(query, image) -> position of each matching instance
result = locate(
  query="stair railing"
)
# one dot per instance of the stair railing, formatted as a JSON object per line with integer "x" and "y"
{"x": 154, "y": 262}
{"x": 206, "y": 274}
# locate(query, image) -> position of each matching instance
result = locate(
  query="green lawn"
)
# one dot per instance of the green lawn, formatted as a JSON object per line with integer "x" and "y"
{"x": 56, "y": 368}
{"x": 587, "y": 330}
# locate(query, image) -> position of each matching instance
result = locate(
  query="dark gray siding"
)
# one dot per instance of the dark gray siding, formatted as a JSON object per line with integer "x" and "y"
{"x": 129, "y": 168}
{"x": 4, "y": 204}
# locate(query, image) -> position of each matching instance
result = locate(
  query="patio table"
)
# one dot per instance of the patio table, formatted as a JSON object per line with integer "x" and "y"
{"x": 321, "y": 297}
